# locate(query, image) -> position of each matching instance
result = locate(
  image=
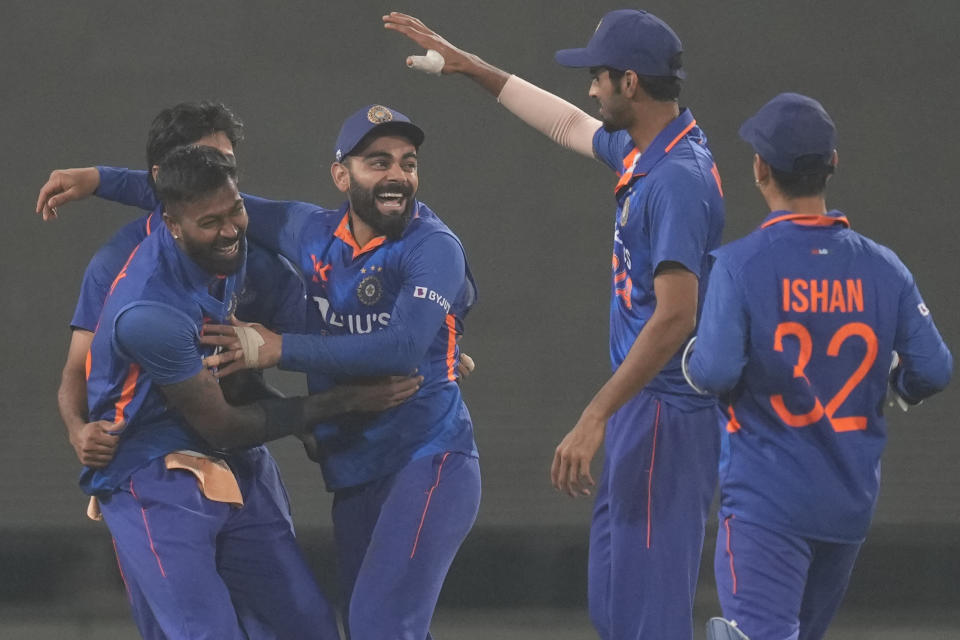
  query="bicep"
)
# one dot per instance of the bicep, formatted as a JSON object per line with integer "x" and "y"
{"x": 161, "y": 339}
{"x": 676, "y": 290}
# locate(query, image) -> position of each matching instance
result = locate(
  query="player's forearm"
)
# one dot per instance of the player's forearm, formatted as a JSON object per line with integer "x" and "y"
{"x": 126, "y": 186}
{"x": 72, "y": 401}
{"x": 396, "y": 350}
{"x": 656, "y": 344}
{"x": 915, "y": 383}
{"x": 551, "y": 115}
{"x": 485, "y": 74}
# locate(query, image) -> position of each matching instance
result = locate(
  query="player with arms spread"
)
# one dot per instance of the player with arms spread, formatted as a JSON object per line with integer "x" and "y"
{"x": 797, "y": 330}
{"x": 196, "y": 508}
{"x": 662, "y": 441}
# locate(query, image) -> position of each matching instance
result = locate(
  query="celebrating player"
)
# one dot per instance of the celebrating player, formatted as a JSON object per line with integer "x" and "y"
{"x": 390, "y": 287}
{"x": 197, "y": 511}
{"x": 798, "y": 326}
{"x": 662, "y": 441}
{"x": 272, "y": 294}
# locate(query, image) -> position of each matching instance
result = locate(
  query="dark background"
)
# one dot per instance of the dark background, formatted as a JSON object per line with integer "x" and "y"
{"x": 83, "y": 80}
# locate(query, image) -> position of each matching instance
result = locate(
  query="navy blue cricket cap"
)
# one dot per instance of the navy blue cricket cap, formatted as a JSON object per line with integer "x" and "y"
{"x": 372, "y": 117}
{"x": 792, "y": 133}
{"x": 630, "y": 40}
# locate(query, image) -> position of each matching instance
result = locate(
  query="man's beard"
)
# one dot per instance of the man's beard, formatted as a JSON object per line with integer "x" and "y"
{"x": 212, "y": 261}
{"x": 363, "y": 202}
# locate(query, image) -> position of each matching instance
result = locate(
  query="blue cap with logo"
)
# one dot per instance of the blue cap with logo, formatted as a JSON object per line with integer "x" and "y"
{"x": 630, "y": 40}
{"x": 792, "y": 133}
{"x": 374, "y": 116}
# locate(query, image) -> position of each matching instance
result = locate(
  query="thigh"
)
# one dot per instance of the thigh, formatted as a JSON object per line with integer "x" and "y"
{"x": 826, "y": 584}
{"x": 431, "y": 506}
{"x": 165, "y": 532}
{"x": 270, "y": 582}
{"x": 761, "y": 576}
{"x": 662, "y": 469}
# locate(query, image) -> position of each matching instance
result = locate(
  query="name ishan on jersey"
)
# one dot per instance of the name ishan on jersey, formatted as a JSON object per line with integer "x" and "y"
{"x": 822, "y": 296}
{"x": 352, "y": 322}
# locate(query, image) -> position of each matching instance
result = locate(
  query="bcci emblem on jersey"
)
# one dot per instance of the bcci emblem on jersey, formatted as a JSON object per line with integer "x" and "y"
{"x": 625, "y": 211}
{"x": 369, "y": 290}
{"x": 379, "y": 114}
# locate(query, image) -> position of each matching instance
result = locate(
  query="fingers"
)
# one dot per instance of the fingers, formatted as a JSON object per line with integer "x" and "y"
{"x": 466, "y": 365}
{"x": 220, "y": 330}
{"x": 50, "y": 188}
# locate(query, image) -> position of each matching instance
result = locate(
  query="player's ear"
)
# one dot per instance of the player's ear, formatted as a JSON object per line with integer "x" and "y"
{"x": 153, "y": 171}
{"x": 761, "y": 170}
{"x": 629, "y": 83}
{"x": 173, "y": 225}
{"x": 341, "y": 176}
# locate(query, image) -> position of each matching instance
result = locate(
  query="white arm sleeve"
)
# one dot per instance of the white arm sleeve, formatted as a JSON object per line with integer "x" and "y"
{"x": 554, "y": 117}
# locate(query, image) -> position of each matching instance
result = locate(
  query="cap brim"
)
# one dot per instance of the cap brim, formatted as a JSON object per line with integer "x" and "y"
{"x": 577, "y": 58}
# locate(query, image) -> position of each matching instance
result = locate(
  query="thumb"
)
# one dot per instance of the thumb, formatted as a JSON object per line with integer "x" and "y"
{"x": 431, "y": 63}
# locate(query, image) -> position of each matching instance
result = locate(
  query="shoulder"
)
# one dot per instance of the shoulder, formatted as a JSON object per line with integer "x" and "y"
{"x": 743, "y": 252}
{"x": 882, "y": 256}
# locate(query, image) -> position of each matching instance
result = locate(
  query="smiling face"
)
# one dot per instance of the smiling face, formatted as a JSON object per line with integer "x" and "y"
{"x": 210, "y": 229}
{"x": 380, "y": 182}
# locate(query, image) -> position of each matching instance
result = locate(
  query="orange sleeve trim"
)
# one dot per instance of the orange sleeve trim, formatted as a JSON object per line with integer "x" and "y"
{"x": 680, "y": 135}
{"x": 451, "y": 348}
{"x": 126, "y": 395}
{"x": 716, "y": 177}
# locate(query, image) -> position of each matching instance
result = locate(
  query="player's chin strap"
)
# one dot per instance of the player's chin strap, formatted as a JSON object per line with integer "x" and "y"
{"x": 250, "y": 342}
{"x": 684, "y": 359}
{"x": 721, "y": 629}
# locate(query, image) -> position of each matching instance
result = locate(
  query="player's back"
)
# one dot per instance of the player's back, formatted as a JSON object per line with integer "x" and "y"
{"x": 826, "y": 307}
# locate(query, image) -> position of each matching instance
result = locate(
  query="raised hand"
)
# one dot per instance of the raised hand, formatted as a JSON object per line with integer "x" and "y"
{"x": 66, "y": 185}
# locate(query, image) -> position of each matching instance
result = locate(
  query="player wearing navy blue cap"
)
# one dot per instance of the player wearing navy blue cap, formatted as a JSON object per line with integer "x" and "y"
{"x": 662, "y": 441}
{"x": 798, "y": 327}
{"x": 198, "y": 514}
{"x": 390, "y": 287}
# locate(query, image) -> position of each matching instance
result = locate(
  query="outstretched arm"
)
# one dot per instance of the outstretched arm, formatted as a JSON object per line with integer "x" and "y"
{"x": 118, "y": 185}
{"x": 556, "y": 118}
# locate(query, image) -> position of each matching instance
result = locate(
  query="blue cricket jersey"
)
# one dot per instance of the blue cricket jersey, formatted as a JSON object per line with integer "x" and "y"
{"x": 273, "y": 293}
{"x": 148, "y": 336}
{"x": 387, "y": 308}
{"x": 798, "y": 327}
{"x": 669, "y": 209}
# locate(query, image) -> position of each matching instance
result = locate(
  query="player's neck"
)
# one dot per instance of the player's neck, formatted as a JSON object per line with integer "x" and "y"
{"x": 652, "y": 117}
{"x": 362, "y": 232}
{"x": 809, "y": 205}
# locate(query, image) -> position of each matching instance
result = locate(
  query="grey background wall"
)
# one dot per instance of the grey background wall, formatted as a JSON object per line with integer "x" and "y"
{"x": 82, "y": 81}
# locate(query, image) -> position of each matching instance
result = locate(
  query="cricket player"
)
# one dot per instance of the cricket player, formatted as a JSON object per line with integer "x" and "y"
{"x": 272, "y": 294}
{"x": 196, "y": 508}
{"x": 798, "y": 326}
{"x": 662, "y": 441}
{"x": 389, "y": 288}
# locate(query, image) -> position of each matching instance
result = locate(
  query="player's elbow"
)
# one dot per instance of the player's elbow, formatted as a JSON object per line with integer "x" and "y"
{"x": 707, "y": 375}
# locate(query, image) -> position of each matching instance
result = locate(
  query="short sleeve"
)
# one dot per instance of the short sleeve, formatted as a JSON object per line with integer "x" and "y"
{"x": 101, "y": 271}
{"x": 612, "y": 147}
{"x": 679, "y": 224}
{"x": 161, "y": 339}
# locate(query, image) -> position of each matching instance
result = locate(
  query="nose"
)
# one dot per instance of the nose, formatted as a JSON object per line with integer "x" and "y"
{"x": 592, "y": 92}
{"x": 229, "y": 230}
{"x": 395, "y": 173}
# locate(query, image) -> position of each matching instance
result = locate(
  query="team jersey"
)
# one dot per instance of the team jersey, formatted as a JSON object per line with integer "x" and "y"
{"x": 273, "y": 293}
{"x": 148, "y": 336}
{"x": 388, "y": 308}
{"x": 798, "y": 328}
{"x": 669, "y": 209}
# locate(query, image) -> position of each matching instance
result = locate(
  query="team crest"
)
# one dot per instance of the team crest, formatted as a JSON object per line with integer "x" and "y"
{"x": 369, "y": 290}
{"x": 624, "y": 212}
{"x": 378, "y": 114}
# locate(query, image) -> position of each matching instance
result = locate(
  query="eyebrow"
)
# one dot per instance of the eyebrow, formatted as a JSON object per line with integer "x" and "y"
{"x": 238, "y": 203}
{"x": 384, "y": 154}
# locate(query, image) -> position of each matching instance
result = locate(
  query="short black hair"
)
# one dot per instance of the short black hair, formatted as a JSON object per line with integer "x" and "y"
{"x": 809, "y": 177}
{"x": 189, "y": 173}
{"x": 659, "y": 88}
{"x": 187, "y": 122}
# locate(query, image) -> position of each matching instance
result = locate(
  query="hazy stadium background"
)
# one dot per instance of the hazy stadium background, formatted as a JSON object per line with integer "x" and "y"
{"x": 84, "y": 79}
